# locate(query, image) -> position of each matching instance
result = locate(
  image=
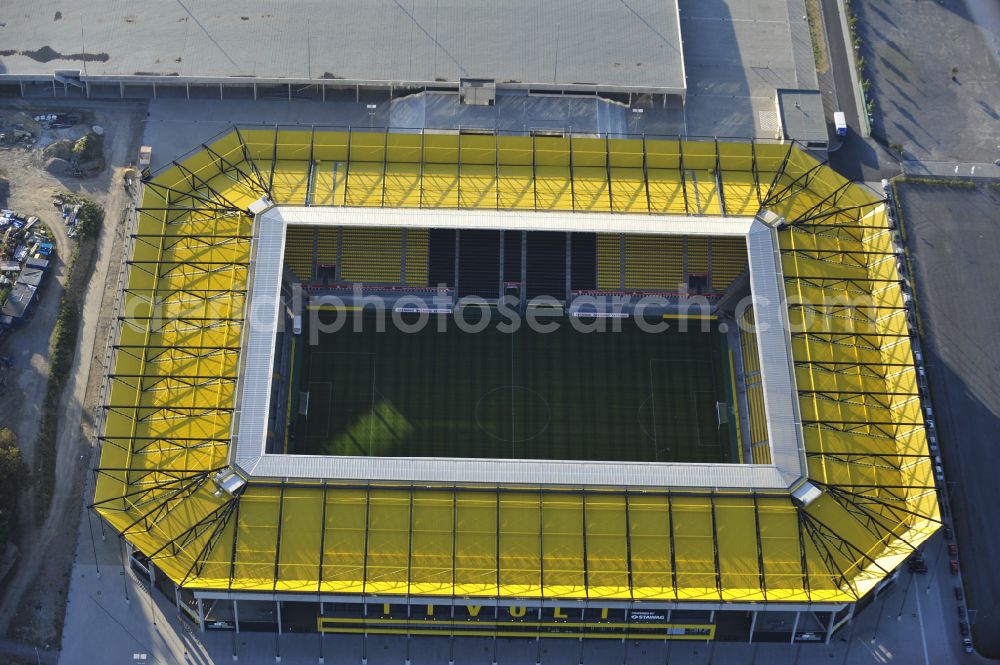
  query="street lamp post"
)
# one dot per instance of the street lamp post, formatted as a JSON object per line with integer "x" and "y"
{"x": 906, "y": 592}
{"x": 878, "y": 619}
{"x": 122, "y": 549}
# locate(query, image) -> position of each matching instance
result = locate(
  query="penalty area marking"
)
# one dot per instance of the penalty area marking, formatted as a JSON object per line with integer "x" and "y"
{"x": 693, "y": 403}
{"x": 330, "y": 405}
{"x": 329, "y": 402}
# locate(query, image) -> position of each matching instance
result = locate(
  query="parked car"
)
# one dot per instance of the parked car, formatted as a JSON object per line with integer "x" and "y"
{"x": 961, "y": 612}
{"x": 917, "y": 563}
{"x": 964, "y": 627}
{"x": 967, "y": 645}
{"x": 954, "y": 566}
{"x": 959, "y": 596}
{"x": 953, "y": 549}
{"x": 948, "y": 533}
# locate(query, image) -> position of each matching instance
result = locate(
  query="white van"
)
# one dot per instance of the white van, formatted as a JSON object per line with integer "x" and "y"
{"x": 840, "y": 122}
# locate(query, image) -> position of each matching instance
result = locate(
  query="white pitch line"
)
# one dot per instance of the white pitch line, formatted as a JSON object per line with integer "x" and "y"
{"x": 371, "y": 421}
{"x": 513, "y": 438}
{"x": 652, "y": 411}
{"x": 923, "y": 635}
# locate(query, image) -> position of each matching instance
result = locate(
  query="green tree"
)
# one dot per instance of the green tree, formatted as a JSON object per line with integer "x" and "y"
{"x": 89, "y": 219}
{"x": 12, "y": 472}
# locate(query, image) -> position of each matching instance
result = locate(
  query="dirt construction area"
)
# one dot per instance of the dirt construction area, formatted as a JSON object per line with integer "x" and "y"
{"x": 953, "y": 243}
{"x": 33, "y": 595}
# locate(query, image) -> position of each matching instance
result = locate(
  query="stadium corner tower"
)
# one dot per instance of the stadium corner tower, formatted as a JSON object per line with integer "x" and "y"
{"x": 721, "y": 438}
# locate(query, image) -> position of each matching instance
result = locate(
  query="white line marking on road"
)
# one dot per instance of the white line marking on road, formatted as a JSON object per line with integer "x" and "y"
{"x": 923, "y": 636}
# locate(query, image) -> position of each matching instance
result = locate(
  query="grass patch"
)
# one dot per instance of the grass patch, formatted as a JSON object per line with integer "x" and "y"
{"x": 814, "y": 14}
{"x": 859, "y": 61}
{"x": 953, "y": 183}
{"x": 12, "y": 473}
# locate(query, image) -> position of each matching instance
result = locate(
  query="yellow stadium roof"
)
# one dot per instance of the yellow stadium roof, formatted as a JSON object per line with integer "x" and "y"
{"x": 171, "y": 397}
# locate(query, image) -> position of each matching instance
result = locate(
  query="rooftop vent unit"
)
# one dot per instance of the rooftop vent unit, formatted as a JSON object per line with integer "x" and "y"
{"x": 805, "y": 494}
{"x": 478, "y": 92}
{"x": 228, "y": 481}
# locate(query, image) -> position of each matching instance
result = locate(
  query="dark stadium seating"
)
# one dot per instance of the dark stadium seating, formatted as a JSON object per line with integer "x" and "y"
{"x": 479, "y": 263}
{"x": 512, "y": 256}
{"x": 646, "y": 262}
{"x": 583, "y": 261}
{"x": 546, "y": 264}
{"x": 441, "y": 258}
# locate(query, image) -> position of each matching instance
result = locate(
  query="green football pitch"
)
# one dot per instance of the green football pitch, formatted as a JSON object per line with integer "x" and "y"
{"x": 629, "y": 395}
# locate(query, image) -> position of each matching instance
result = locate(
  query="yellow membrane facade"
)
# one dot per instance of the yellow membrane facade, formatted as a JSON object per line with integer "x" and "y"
{"x": 171, "y": 397}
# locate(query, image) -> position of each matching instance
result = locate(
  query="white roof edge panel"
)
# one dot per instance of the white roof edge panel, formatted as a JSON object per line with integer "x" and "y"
{"x": 513, "y": 220}
{"x": 774, "y": 345}
{"x": 519, "y": 472}
{"x": 262, "y": 313}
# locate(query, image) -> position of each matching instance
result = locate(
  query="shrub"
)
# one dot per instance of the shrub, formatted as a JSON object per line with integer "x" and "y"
{"x": 88, "y": 148}
{"x": 89, "y": 219}
{"x": 12, "y": 471}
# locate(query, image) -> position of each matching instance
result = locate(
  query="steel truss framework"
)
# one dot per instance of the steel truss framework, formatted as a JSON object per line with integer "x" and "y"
{"x": 172, "y": 393}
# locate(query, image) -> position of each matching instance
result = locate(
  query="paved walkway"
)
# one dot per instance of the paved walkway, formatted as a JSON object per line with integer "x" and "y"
{"x": 951, "y": 169}
{"x": 935, "y": 76}
{"x": 28, "y": 652}
{"x": 953, "y": 245}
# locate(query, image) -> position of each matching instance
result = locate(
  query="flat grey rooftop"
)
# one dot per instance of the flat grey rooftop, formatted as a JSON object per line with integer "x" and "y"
{"x": 617, "y": 45}
{"x": 736, "y": 54}
{"x": 801, "y": 114}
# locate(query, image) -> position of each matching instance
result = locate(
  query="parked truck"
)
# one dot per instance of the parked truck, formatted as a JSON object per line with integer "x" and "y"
{"x": 840, "y": 122}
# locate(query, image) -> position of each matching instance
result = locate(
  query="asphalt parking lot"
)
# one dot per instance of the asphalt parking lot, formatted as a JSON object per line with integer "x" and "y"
{"x": 934, "y": 66}
{"x": 954, "y": 242}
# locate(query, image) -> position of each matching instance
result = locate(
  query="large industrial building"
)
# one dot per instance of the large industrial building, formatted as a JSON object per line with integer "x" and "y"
{"x": 408, "y": 45}
{"x": 365, "y": 498}
{"x": 695, "y": 68}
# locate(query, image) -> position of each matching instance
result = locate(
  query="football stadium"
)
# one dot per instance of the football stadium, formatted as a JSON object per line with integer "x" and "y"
{"x": 506, "y": 385}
